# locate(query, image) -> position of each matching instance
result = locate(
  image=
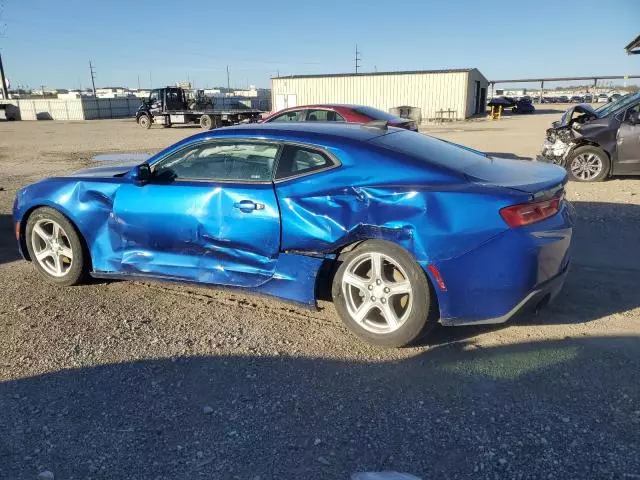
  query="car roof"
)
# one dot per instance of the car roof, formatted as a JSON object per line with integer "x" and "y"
{"x": 324, "y": 105}
{"x": 303, "y": 131}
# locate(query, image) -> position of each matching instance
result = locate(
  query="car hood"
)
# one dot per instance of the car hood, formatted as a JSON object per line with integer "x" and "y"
{"x": 112, "y": 164}
{"x": 522, "y": 175}
{"x": 568, "y": 115}
{"x": 110, "y": 171}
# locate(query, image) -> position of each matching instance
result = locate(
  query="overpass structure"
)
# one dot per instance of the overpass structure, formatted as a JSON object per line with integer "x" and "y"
{"x": 634, "y": 46}
{"x": 541, "y": 80}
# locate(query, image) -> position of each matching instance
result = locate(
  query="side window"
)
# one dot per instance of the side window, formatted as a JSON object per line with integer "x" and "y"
{"x": 155, "y": 96}
{"x": 324, "y": 116}
{"x": 635, "y": 110}
{"x": 299, "y": 160}
{"x": 243, "y": 161}
{"x": 295, "y": 116}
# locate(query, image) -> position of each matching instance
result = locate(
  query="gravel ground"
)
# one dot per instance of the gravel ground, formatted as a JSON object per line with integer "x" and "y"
{"x": 160, "y": 381}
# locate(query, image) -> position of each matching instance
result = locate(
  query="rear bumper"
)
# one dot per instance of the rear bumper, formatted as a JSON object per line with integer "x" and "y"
{"x": 537, "y": 298}
{"x": 513, "y": 271}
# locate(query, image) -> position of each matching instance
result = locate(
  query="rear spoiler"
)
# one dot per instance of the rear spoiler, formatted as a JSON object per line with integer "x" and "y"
{"x": 379, "y": 124}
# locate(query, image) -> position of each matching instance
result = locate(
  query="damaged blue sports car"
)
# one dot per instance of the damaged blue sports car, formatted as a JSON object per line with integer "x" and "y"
{"x": 402, "y": 230}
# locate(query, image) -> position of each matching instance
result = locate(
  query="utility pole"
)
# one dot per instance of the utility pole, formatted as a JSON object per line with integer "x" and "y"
{"x": 93, "y": 78}
{"x": 357, "y": 59}
{"x": 228, "y": 81}
{"x": 138, "y": 81}
{"x": 3, "y": 82}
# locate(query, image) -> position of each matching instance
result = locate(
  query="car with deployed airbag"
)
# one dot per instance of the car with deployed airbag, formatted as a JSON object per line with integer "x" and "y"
{"x": 402, "y": 230}
{"x": 596, "y": 144}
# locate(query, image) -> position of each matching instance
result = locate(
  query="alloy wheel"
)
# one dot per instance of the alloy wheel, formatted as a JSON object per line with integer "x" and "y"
{"x": 51, "y": 247}
{"x": 586, "y": 166}
{"x": 378, "y": 293}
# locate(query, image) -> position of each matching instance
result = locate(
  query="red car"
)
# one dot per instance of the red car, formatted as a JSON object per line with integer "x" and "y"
{"x": 338, "y": 113}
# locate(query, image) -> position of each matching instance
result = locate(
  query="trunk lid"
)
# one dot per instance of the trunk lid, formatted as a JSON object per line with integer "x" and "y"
{"x": 522, "y": 175}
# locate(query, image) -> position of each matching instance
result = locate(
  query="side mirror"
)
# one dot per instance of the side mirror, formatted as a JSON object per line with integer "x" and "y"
{"x": 141, "y": 174}
{"x": 633, "y": 118}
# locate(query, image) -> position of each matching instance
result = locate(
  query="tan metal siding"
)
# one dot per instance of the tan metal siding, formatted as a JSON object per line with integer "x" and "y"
{"x": 431, "y": 92}
{"x": 474, "y": 76}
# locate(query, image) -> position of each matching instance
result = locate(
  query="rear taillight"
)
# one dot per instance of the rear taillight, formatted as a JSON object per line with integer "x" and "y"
{"x": 528, "y": 213}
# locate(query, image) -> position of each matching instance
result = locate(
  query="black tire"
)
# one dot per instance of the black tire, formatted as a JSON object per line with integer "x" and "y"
{"x": 206, "y": 122}
{"x": 587, "y": 151}
{"x": 79, "y": 267}
{"x": 144, "y": 121}
{"x": 418, "y": 322}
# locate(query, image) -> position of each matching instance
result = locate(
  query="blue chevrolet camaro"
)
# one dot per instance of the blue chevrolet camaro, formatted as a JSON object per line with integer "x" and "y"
{"x": 403, "y": 229}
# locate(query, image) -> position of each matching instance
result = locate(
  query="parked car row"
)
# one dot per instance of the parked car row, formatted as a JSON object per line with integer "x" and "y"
{"x": 585, "y": 98}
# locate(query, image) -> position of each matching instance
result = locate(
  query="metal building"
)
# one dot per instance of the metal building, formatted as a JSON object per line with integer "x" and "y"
{"x": 438, "y": 94}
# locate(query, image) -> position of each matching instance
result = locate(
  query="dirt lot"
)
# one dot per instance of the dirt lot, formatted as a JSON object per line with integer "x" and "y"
{"x": 158, "y": 381}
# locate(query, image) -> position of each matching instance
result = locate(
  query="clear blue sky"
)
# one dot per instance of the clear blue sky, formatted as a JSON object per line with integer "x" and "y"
{"x": 50, "y": 42}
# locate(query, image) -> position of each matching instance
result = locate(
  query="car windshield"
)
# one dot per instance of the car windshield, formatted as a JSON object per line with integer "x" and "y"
{"x": 619, "y": 104}
{"x": 377, "y": 114}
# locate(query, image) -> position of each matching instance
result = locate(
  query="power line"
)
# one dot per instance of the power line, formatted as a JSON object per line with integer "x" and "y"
{"x": 93, "y": 78}
{"x": 357, "y": 58}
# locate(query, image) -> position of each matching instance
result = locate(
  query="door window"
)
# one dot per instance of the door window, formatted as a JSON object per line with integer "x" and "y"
{"x": 295, "y": 116}
{"x": 296, "y": 160}
{"x": 228, "y": 161}
{"x": 633, "y": 111}
{"x": 324, "y": 116}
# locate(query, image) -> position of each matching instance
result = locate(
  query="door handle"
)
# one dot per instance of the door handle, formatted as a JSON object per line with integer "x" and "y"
{"x": 248, "y": 206}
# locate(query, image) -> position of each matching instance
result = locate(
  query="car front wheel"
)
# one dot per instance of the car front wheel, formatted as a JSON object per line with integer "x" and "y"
{"x": 588, "y": 164}
{"x": 382, "y": 294}
{"x": 55, "y": 248}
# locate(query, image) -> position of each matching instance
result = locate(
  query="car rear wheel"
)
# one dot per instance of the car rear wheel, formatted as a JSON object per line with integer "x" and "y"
{"x": 588, "y": 164}
{"x": 144, "y": 121}
{"x": 382, "y": 294}
{"x": 55, "y": 247}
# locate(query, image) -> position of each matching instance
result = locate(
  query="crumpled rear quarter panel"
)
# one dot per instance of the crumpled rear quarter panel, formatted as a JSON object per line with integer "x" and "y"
{"x": 433, "y": 216}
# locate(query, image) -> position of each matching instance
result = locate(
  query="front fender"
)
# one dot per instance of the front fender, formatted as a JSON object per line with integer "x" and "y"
{"x": 88, "y": 205}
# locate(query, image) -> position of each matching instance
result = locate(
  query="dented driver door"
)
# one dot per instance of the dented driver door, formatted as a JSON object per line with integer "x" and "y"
{"x": 208, "y": 214}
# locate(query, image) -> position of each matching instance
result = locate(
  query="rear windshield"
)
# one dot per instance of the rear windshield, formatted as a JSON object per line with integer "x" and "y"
{"x": 431, "y": 150}
{"x": 378, "y": 114}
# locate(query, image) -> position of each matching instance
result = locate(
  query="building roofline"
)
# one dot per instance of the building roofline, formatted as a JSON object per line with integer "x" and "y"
{"x": 374, "y": 74}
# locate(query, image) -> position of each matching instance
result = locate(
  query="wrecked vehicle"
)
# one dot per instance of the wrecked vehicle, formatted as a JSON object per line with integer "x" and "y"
{"x": 504, "y": 102}
{"x": 523, "y": 105}
{"x": 595, "y": 144}
{"x": 401, "y": 229}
